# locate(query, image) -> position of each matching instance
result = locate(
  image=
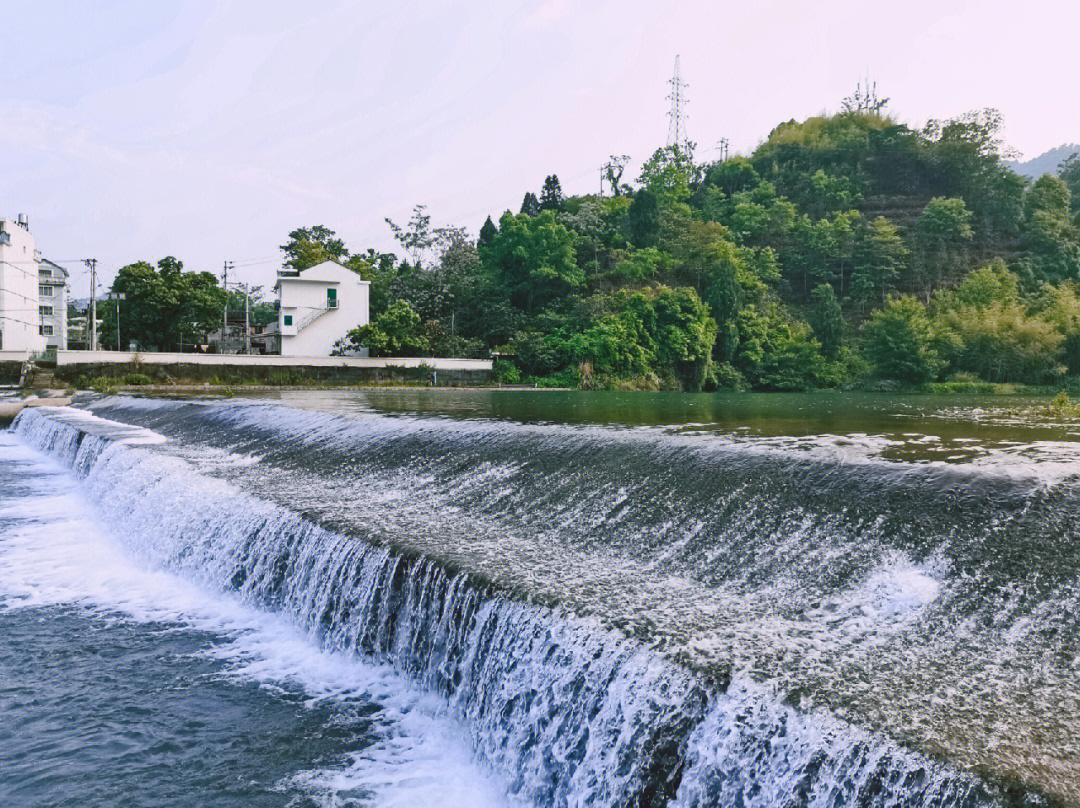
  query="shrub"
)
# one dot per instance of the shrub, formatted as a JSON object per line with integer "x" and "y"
{"x": 505, "y": 372}
{"x": 105, "y": 385}
{"x": 135, "y": 379}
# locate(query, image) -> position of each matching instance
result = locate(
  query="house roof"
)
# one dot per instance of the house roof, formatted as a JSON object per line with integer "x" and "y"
{"x": 319, "y": 273}
{"x": 45, "y": 262}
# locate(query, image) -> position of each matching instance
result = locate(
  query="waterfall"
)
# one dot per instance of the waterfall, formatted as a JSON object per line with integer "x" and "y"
{"x": 571, "y": 711}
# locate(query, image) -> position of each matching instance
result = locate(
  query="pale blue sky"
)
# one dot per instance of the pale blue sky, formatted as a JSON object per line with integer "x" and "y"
{"x": 208, "y": 130}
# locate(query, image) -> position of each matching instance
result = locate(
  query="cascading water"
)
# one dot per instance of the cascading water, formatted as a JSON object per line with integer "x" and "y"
{"x": 573, "y": 683}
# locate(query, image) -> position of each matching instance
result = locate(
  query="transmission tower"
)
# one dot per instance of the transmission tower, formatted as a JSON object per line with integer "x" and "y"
{"x": 677, "y": 128}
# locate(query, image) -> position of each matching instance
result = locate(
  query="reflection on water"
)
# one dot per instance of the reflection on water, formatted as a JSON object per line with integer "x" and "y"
{"x": 992, "y": 432}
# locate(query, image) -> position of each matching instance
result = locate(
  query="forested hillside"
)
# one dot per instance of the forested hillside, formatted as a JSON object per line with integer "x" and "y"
{"x": 1046, "y": 163}
{"x": 844, "y": 249}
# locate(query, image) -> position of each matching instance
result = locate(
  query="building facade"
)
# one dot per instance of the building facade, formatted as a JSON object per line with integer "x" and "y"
{"x": 318, "y": 306}
{"x": 20, "y": 323}
{"x": 53, "y": 305}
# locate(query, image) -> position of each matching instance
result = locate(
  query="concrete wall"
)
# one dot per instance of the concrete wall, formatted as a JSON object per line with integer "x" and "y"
{"x": 11, "y": 363}
{"x": 79, "y": 367}
{"x": 68, "y": 358}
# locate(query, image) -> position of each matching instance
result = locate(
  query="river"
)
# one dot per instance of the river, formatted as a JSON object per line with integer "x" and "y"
{"x": 541, "y": 598}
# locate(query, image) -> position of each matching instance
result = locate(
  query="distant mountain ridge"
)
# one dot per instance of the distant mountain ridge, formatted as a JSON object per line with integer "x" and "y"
{"x": 1046, "y": 163}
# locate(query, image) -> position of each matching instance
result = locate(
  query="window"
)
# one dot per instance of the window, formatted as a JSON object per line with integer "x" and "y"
{"x": 44, "y": 291}
{"x": 287, "y": 319}
{"x": 46, "y": 330}
{"x": 45, "y": 311}
{"x": 45, "y": 273}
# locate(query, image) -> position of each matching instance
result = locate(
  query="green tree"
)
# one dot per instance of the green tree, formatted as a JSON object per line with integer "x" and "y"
{"x": 668, "y": 174}
{"x": 941, "y": 236}
{"x": 827, "y": 320}
{"x": 644, "y": 219}
{"x": 551, "y": 195}
{"x": 530, "y": 205}
{"x": 488, "y": 231}
{"x": 1069, "y": 173}
{"x": 308, "y": 246}
{"x": 682, "y": 330}
{"x": 417, "y": 236}
{"x": 732, "y": 176}
{"x": 1050, "y": 236}
{"x": 533, "y": 258}
{"x": 898, "y": 342}
{"x": 395, "y": 332}
{"x": 880, "y": 256}
{"x": 165, "y": 309}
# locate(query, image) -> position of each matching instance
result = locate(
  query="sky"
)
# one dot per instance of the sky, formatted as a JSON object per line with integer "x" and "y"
{"x": 209, "y": 130}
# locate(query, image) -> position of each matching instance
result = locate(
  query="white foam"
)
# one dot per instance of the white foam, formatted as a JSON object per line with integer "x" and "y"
{"x": 55, "y": 549}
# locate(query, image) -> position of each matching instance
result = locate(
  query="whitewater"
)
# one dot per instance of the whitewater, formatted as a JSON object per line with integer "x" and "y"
{"x": 545, "y": 615}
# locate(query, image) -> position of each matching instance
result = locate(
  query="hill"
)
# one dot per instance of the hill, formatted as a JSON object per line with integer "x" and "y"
{"x": 1046, "y": 163}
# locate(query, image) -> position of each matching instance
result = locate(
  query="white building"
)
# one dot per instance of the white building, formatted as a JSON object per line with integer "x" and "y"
{"x": 20, "y": 325}
{"x": 53, "y": 304}
{"x": 318, "y": 306}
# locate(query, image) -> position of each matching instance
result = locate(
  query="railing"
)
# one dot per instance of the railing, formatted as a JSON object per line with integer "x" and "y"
{"x": 312, "y": 317}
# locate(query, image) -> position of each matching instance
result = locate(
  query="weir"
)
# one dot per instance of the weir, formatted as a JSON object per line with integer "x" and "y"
{"x": 519, "y": 607}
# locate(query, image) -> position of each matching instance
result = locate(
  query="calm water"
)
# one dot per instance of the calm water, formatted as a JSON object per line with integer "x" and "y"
{"x": 564, "y": 598}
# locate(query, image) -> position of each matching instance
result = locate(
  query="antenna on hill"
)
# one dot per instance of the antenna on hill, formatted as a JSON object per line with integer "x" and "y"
{"x": 865, "y": 98}
{"x": 677, "y": 127}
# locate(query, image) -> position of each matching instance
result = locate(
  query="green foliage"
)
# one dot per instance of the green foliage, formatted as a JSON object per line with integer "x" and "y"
{"x": 1069, "y": 173}
{"x": 134, "y": 379}
{"x": 505, "y": 372}
{"x": 395, "y": 332}
{"x": 668, "y": 174}
{"x": 898, "y": 342}
{"x": 644, "y": 219}
{"x": 827, "y": 320}
{"x": 105, "y": 385}
{"x": 551, "y": 195}
{"x": 533, "y": 258}
{"x": 488, "y": 231}
{"x": 530, "y": 205}
{"x": 732, "y": 176}
{"x": 880, "y": 257}
{"x": 308, "y": 246}
{"x": 794, "y": 267}
{"x": 165, "y": 308}
{"x": 941, "y": 235}
{"x": 1050, "y": 236}
{"x": 1062, "y": 407}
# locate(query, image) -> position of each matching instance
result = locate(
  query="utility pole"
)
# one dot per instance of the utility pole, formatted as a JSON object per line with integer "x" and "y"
{"x": 247, "y": 320}
{"x": 117, "y": 296}
{"x": 92, "y": 334}
{"x": 225, "y": 313}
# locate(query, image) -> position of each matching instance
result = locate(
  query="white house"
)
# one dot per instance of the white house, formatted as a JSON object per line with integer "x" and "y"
{"x": 52, "y": 304}
{"x": 318, "y": 306}
{"x": 20, "y": 324}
